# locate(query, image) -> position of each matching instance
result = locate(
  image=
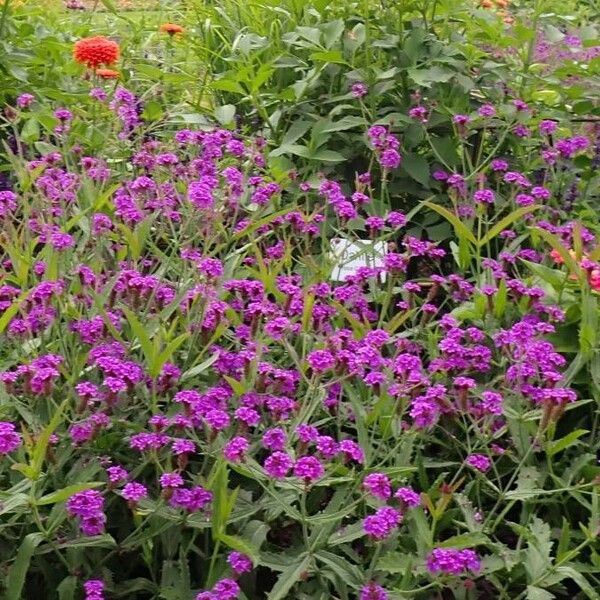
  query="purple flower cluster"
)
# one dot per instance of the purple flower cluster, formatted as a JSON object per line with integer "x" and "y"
{"x": 88, "y": 506}
{"x": 451, "y": 561}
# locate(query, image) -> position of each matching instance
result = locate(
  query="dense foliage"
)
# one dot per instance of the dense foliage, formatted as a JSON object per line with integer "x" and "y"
{"x": 299, "y": 300}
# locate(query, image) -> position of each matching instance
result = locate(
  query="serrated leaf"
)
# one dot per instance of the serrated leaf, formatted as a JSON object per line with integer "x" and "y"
{"x": 288, "y": 578}
{"x": 536, "y": 593}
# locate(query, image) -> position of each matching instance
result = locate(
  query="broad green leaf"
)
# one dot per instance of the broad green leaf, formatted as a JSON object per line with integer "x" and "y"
{"x": 417, "y": 167}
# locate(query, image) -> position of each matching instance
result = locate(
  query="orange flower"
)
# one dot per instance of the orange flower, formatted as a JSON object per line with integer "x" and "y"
{"x": 96, "y": 51}
{"x": 108, "y": 74}
{"x": 171, "y": 28}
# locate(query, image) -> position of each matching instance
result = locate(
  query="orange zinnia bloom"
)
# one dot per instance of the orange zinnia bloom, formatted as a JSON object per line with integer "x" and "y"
{"x": 171, "y": 28}
{"x": 96, "y": 51}
{"x": 108, "y": 74}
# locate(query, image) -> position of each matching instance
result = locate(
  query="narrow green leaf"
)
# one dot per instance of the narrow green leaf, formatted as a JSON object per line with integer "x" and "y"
{"x": 67, "y": 492}
{"x": 507, "y": 221}
{"x": 565, "y": 442}
{"x": 459, "y": 227}
{"x": 19, "y": 568}
{"x": 286, "y": 581}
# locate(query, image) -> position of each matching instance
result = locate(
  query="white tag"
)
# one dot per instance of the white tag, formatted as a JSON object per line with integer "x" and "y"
{"x": 349, "y": 256}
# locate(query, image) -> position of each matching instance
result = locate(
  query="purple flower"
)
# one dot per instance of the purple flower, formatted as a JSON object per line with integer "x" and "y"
{"x": 88, "y": 505}
{"x": 235, "y": 450}
{"x": 274, "y": 439}
{"x": 451, "y": 561}
{"x": 487, "y": 110}
{"x": 321, "y": 360}
{"x": 62, "y": 114}
{"x": 390, "y": 159}
{"x": 359, "y": 89}
{"x": 192, "y": 500}
{"x": 499, "y": 164}
{"x": 408, "y": 496}
{"x": 94, "y": 589}
{"x": 239, "y": 562}
{"x": 461, "y": 120}
{"x": 25, "y": 100}
{"x": 548, "y": 127}
{"x": 479, "y": 461}
{"x": 382, "y": 523}
{"x": 134, "y": 492}
{"x": 308, "y": 468}
{"x": 9, "y": 438}
{"x": 419, "y": 113}
{"x": 484, "y": 196}
{"x": 372, "y": 591}
{"x": 226, "y": 589}
{"x": 378, "y": 485}
{"x": 278, "y": 465}
{"x": 170, "y": 480}
{"x": 116, "y": 474}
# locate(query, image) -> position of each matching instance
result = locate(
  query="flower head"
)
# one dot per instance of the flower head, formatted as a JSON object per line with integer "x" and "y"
{"x": 171, "y": 28}
{"x": 96, "y": 51}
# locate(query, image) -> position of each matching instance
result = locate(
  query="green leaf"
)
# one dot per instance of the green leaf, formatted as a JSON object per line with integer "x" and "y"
{"x": 580, "y": 580}
{"x": 67, "y": 492}
{"x": 459, "y": 227}
{"x": 565, "y": 442}
{"x": 67, "y": 587}
{"x": 139, "y": 331}
{"x": 12, "y": 310}
{"x": 536, "y": 593}
{"x": 553, "y": 241}
{"x": 465, "y": 540}
{"x": 241, "y": 545}
{"x": 288, "y": 578}
{"x": 166, "y": 354}
{"x": 203, "y": 366}
{"x": 31, "y": 130}
{"x": 349, "y": 533}
{"x": 554, "y": 277}
{"x": 225, "y": 114}
{"x": 426, "y": 77}
{"x": 329, "y": 56}
{"x": 537, "y": 556}
{"x": 41, "y": 445}
{"x": 19, "y": 568}
{"x": 507, "y": 221}
{"x": 346, "y": 571}
{"x": 417, "y": 167}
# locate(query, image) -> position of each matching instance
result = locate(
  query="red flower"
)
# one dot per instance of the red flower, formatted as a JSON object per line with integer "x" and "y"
{"x": 96, "y": 51}
{"x": 171, "y": 28}
{"x": 108, "y": 74}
